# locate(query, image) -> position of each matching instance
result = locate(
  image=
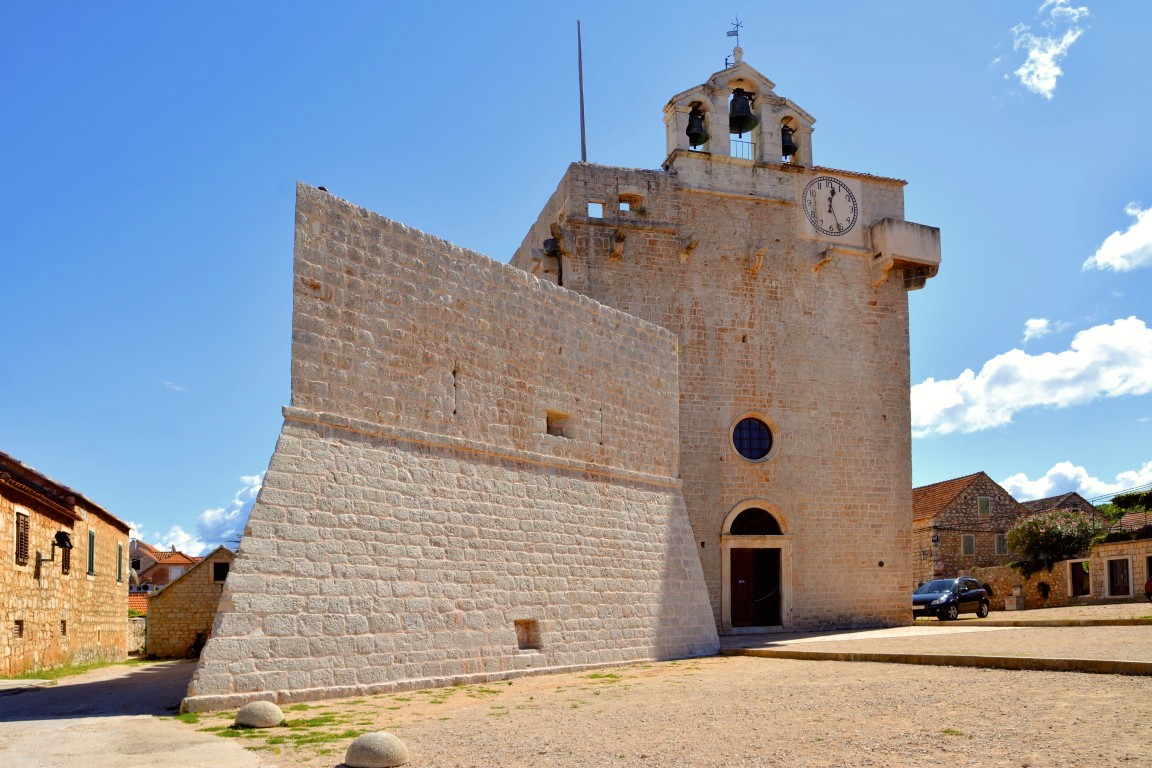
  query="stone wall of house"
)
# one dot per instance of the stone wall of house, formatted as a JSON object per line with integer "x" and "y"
{"x": 476, "y": 478}
{"x": 772, "y": 323}
{"x": 137, "y": 633}
{"x": 185, "y": 607}
{"x": 52, "y": 618}
{"x": 1003, "y": 578}
{"x": 1133, "y": 557}
{"x": 945, "y": 558}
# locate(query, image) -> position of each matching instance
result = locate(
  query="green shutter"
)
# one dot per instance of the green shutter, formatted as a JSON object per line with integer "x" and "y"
{"x": 91, "y": 553}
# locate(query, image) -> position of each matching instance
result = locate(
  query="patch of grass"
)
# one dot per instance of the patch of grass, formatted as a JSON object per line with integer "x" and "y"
{"x": 226, "y": 715}
{"x": 401, "y": 698}
{"x": 312, "y": 722}
{"x": 188, "y": 717}
{"x": 299, "y": 707}
{"x": 227, "y": 732}
{"x": 303, "y": 739}
{"x": 951, "y": 732}
{"x": 72, "y": 669}
{"x": 395, "y": 707}
{"x": 609, "y": 677}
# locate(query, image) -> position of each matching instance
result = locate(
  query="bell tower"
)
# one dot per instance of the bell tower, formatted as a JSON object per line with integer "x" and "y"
{"x": 739, "y": 102}
{"x": 786, "y": 284}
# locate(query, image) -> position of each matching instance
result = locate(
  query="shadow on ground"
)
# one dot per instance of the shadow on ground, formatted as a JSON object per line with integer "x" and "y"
{"x": 149, "y": 689}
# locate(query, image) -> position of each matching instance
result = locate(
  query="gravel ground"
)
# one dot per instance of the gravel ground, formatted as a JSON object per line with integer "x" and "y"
{"x": 742, "y": 711}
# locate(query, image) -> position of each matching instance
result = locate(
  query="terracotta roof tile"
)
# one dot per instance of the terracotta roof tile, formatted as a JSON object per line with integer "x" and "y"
{"x": 175, "y": 558}
{"x": 1133, "y": 521}
{"x": 929, "y": 500}
{"x": 138, "y": 601}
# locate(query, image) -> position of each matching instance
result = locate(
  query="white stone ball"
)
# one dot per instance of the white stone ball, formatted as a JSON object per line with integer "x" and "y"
{"x": 259, "y": 714}
{"x": 376, "y": 750}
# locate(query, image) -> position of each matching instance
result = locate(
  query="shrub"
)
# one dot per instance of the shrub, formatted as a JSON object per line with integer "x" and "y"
{"x": 1045, "y": 539}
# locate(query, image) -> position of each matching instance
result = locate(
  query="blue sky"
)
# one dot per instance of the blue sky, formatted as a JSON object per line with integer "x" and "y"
{"x": 150, "y": 153}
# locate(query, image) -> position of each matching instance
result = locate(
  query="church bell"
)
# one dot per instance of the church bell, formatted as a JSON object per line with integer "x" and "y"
{"x": 740, "y": 117}
{"x": 787, "y": 143}
{"x": 697, "y": 133}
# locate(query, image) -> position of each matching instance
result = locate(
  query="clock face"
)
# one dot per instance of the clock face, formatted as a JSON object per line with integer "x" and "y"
{"x": 830, "y": 206}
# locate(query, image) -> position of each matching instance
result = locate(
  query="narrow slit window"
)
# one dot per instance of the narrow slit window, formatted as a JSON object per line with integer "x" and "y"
{"x": 18, "y": 628}
{"x": 63, "y": 628}
{"x": 119, "y": 562}
{"x": 91, "y": 553}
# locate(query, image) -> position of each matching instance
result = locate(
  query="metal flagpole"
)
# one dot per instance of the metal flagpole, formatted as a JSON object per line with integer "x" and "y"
{"x": 580, "y": 66}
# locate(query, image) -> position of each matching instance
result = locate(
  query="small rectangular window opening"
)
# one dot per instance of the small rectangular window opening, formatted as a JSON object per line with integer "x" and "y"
{"x": 63, "y": 628}
{"x": 625, "y": 205}
{"x": 220, "y": 571}
{"x": 65, "y": 561}
{"x": 985, "y": 504}
{"x": 91, "y": 553}
{"x": 968, "y": 544}
{"x": 119, "y": 562}
{"x": 528, "y": 635}
{"x": 557, "y": 424}
{"x": 18, "y": 628}
{"x": 595, "y": 210}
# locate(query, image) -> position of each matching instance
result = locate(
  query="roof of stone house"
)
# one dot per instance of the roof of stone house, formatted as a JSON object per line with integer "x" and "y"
{"x": 1133, "y": 521}
{"x": 175, "y": 558}
{"x": 1062, "y": 501}
{"x": 52, "y": 494}
{"x": 138, "y": 601}
{"x": 930, "y": 500}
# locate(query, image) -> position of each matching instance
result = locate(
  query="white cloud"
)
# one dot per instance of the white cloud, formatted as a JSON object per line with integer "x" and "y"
{"x": 1066, "y": 477}
{"x": 1041, "y": 69}
{"x": 1103, "y": 361}
{"x": 220, "y": 525}
{"x": 1127, "y": 250}
{"x": 1035, "y": 328}
{"x": 175, "y": 387}
{"x": 1039, "y": 327}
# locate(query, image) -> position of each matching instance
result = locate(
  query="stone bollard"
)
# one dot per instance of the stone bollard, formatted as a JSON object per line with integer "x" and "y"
{"x": 259, "y": 714}
{"x": 376, "y": 750}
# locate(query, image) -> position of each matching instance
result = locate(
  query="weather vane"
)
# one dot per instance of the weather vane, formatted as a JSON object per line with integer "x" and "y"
{"x": 734, "y": 32}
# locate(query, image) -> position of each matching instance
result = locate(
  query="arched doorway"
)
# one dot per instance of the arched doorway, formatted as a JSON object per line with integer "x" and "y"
{"x": 755, "y": 570}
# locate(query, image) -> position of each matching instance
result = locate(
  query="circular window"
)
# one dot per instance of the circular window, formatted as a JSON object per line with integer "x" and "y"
{"x": 752, "y": 439}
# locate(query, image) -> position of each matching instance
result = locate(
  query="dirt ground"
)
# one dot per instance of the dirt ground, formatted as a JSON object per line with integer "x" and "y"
{"x": 740, "y": 711}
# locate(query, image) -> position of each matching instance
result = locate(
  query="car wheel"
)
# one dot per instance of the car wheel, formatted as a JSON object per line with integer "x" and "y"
{"x": 951, "y": 613}
{"x": 982, "y": 611}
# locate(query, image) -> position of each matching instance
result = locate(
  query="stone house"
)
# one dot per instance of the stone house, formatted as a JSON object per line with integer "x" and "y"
{"x": 186, "y": 606}
{"x": 64, "y": 574}
{"x": 682, "y": 409}
{"x": 961, "y": 524}
{"x": 1117, "y": 570}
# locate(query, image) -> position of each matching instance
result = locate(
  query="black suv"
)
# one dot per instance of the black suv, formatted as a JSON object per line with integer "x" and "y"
{"x": 948, "y": 598}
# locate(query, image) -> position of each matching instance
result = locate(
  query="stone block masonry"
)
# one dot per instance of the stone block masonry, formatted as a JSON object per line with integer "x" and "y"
{"x": 477, "y": 478}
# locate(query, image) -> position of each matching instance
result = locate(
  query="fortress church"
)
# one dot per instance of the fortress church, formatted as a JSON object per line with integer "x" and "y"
{"x": 682, "y": 410}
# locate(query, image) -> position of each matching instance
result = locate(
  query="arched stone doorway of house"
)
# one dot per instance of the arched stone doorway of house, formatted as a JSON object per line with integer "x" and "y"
{"x": 756, "y": 568}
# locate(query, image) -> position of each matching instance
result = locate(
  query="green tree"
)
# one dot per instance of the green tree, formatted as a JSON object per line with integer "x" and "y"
{"x": 1045, "y": 539}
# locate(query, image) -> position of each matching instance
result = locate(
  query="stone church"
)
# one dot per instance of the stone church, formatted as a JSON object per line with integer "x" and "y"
{"x": 682, "y": 410}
